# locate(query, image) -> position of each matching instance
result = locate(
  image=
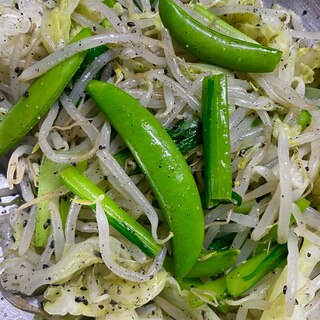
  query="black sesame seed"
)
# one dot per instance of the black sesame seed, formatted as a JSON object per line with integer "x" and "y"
{"x": 81, "y": 299}
{"x": 46, "y": 224}
{"x": 51, "y": 244}
{"x": 284, "y": 289}
{"x": 26, "y": 94}
{"x": 97, "y": 254}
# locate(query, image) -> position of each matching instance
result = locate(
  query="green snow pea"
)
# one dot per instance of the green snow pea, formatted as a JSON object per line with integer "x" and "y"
{"x": 164, "y": 167}
{"x": 209, "y": 264}
{"x": 218, "y": 287}
{"x": 38, "y": 99}
{"x": 214, "y": 47}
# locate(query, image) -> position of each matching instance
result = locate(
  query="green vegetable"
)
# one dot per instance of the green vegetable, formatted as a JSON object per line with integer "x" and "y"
{"x": 216, "y": 140}
{"x": 91, "y": 55}
{"x": 122, "y": 157}
{"x": 209, "y": 263}
{"x": 49, "y": 180}
{"x": 119, "y": 219}
{"x": 56, "y": 26}
{"x": 220, "y": 25}
{"x": 217, "y": 287}
{"x": 215, "y": 47}
{"x": 304, "y": 119}
{"x": 213, "y": 263}
{"x": 76, "y": 258}
{"x": 222, "y": 243}
{"x": 164, "y": 167}
{"x": 29, "y": 109}
{"x": 245, "y": 207}
{"x": 186, "y": 134}
{"x": 110, "y": 3}
{"x": 249, "y": 273}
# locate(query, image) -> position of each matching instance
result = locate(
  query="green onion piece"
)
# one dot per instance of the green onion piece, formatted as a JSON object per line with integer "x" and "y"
{"x": 216, "y": 140}
{"x": 304, "y": 119}
{"x": 223, "y": 243}
{"x": 249, "y": 273}
{"x": 236, "y": 198}
{"x": 186, "y": 134}
{"x": 119, "y": 219}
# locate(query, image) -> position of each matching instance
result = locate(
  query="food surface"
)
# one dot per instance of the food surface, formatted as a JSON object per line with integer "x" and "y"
{"x": 161, "y": 160}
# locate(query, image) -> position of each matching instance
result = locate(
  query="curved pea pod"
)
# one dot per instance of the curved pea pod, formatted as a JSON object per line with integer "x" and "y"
{"x": 213, "y": 263}
{"x": 215, "y": 289}
{"x": 38, "y": 99}
{"x": 209, "y": 264}
{"x": 214, "y": 47}
{"x": 164, "y": 167}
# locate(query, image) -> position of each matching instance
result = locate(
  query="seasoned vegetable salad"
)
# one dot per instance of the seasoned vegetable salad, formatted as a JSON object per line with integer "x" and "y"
{"x": 162, "y": 160}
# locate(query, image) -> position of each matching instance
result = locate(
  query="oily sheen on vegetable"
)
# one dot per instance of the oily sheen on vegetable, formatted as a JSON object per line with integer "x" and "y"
{"x": 212, "y": 98}
{"x": 38, "y": 99}
{"x": 164, "y": 167}
{"x": 214, "y": 47}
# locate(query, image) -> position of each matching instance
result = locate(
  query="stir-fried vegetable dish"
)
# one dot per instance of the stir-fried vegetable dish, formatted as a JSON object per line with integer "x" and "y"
{"x": 162, "y": 160}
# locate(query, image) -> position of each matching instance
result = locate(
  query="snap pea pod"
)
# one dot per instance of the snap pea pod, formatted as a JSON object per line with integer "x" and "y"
{"x": 214, "y": 47}
{"x": 186, "y": 134}
{"x": 218, "y": 287}
{"x": 209, "y": 263}
{"x": 164, "y": 167}
{"x": 38, "y": 99}
{"x": 219, "y": 25}
{"x": 118, "y": 218}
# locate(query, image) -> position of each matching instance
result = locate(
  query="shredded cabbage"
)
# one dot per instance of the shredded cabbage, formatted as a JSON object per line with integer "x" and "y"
{"x": 88, "y": 269}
